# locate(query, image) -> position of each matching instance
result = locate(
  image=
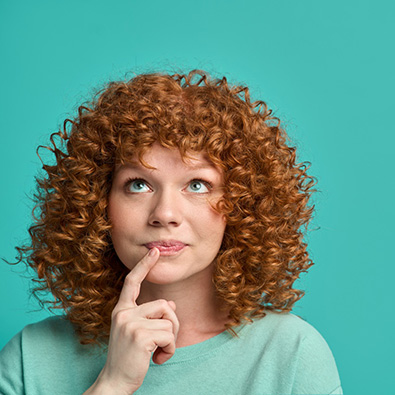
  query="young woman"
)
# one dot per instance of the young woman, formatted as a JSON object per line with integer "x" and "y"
{"x": 169, "y": 230}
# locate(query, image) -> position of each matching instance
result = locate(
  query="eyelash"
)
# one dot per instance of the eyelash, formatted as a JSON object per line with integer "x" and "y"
{"x": 206, "y": 183}
{"x": 130, "y": 180}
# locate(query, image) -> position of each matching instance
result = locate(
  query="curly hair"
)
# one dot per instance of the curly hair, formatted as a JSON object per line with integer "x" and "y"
{"x": 265, "y": 201}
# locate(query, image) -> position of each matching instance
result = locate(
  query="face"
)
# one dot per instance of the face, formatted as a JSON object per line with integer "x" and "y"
{"x": 168, "y": 208}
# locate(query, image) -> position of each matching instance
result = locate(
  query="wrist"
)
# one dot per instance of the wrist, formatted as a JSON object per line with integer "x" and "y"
{"x": 100, "y": 388}
{"x": 103, "y": 386}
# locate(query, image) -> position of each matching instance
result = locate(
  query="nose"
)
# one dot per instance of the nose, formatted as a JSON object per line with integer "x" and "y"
{"x": 166, "y": 209}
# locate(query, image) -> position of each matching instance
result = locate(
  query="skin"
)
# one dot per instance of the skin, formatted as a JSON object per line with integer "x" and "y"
{"x": 165, "y": 203}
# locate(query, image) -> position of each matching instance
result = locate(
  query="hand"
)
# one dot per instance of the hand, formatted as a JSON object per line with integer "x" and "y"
{"x": 136, "y": 332}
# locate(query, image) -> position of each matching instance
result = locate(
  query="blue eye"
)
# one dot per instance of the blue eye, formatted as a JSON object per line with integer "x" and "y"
{"x": 137, "y": 186}
{"x": 198, "y": 186}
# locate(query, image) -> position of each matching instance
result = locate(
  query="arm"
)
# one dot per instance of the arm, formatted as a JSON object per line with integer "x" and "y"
{"x": 11, "y": 370}
{"x": 316, "y": 371}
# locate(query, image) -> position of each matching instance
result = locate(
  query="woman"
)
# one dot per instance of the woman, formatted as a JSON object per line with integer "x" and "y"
{"x": 170, "y": 227}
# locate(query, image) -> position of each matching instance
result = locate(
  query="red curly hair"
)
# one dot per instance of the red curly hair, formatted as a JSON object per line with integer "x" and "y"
{"x": 265, "y": 200}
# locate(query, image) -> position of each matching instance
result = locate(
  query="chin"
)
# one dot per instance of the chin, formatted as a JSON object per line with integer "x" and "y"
{"x": 162, "y": 277}
{"x": 164, "y": 273}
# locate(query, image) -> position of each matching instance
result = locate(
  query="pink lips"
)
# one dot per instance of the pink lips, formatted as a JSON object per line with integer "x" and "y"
{"x": 167, "y": 247}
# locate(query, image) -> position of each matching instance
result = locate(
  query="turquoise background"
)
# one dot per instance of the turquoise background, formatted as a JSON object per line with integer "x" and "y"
{"x": 325, "y": 67}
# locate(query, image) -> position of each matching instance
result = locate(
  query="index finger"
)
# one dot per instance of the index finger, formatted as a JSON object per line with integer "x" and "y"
{"x": 131, "y": 287}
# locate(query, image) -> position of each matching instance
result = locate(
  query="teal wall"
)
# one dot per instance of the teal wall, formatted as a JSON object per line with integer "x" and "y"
{"x": 326, "y": 67}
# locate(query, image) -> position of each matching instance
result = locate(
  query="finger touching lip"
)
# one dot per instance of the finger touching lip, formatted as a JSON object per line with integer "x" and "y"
{"x": 166, "y": 247}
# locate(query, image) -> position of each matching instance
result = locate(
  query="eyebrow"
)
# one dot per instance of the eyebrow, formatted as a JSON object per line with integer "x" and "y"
{"x": 200, "y": 167}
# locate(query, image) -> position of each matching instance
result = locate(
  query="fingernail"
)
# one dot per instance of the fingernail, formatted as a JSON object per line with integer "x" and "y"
{"x": 152, "y": 252}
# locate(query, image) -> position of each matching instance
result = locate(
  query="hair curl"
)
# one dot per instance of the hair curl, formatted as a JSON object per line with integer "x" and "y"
{"x": 265, "y": 199}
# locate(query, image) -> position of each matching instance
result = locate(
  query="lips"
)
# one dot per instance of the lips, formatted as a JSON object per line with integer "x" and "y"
{"x": 167, "y": 247}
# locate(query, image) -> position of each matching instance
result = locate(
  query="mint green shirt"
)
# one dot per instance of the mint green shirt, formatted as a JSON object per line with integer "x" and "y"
{"x": 278, "y": 354}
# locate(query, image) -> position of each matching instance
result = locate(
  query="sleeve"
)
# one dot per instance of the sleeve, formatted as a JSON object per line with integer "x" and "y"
{"x": 11, "y": 368}
{"x": 316, "y": 371}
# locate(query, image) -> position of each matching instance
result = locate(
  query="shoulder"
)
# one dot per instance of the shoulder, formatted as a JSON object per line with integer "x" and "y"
{"x": 51, "y": 327}
{"x": 21, "y": 354}
{"x": 285, "y": 334}
{"x": 46, "y": 331}
{"x": 286, "y": 329}
{"x": 45, "y": 354}
{"x": 49, "y": 333}
{"x": 284, "y": 326}
{"x": 52, "y": 340}
{"x": 288, "y": 337}
{"x": 55, "y": 335}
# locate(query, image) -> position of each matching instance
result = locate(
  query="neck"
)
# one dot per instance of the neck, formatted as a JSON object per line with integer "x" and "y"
{"x": 200, "y": 312}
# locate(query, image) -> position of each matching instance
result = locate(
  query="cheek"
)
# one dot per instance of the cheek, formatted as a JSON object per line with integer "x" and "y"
{"x": 212, "y": 227}
{"x": 112, "y": 209}
{"x": 121, "y": 214}
{"x": 121, "y": 221}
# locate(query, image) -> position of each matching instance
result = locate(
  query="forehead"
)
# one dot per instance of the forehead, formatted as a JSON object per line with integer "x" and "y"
{"x": 158, "y": 156}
